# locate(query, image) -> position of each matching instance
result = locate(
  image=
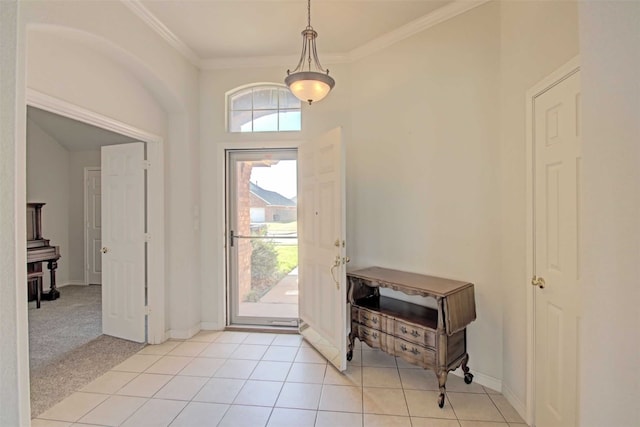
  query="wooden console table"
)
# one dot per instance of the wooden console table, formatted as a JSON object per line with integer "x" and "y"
{"x": 432, "y": 338}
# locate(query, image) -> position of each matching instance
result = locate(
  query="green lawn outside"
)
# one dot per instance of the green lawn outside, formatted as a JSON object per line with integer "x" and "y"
{"x": 287, "y": 258}
{"x": 282, "y": 227}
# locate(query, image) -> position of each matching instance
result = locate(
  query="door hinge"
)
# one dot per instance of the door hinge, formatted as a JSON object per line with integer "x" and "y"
{"x": 146, "y": 164}
{"x": 147, "y": 237}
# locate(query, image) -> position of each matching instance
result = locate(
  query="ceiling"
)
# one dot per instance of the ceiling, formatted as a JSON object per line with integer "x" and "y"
{"x": 218, "y": 30}
{"x": 72, "y": 134}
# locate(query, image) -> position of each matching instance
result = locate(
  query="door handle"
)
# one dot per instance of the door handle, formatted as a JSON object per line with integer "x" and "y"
{"x": 104, "y": 250}
{"x": 336, "y": 264}
{"x": 538, "y": 281}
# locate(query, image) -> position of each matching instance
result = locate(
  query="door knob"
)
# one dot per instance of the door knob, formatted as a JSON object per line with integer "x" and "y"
{"x": 104, "y": 250}
{"x": 538, "y": 281}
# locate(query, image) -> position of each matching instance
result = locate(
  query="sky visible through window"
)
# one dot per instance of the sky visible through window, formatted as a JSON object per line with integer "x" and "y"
{"x": 280, "y": 178}
{"x": 288, "y": 121}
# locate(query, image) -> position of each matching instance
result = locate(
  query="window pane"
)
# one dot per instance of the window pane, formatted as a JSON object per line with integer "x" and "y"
{"x": 240, "y": 121}
{"x": 287, "y": 100}
{"x": 242, "y": 100}
{"x": 290, "y": 120}
{"x": 265, "y": 121}
{"x": 265, "y": 99}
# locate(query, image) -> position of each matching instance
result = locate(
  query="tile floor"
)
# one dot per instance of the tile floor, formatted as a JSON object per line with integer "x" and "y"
{"x": 251, "y": 379}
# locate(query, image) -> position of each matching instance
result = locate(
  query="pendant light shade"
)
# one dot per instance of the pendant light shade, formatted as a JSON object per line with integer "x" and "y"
{"x": 308, "y": 85}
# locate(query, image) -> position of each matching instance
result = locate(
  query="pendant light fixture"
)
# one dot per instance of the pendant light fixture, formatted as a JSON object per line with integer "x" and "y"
{"x": 308, "y": 85}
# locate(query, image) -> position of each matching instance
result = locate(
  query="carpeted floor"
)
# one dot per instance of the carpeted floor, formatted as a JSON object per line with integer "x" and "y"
{"x": 66, "y": 348}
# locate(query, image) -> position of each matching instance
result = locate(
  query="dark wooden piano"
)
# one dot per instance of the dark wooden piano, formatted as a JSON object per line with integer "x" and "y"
{"x": 38, "y": 251}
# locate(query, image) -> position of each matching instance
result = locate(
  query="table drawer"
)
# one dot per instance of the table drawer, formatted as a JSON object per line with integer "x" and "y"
{"x": 415, "y": 354}
{"x": 368, "y": 318}
{"x": 415, "y": 334}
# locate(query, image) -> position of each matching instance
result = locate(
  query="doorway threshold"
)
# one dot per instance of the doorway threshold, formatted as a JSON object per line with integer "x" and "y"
{"x": 263, "y": 329}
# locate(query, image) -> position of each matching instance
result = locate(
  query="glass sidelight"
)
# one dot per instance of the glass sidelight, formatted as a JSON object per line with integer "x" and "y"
{"x": 262, "y": 237}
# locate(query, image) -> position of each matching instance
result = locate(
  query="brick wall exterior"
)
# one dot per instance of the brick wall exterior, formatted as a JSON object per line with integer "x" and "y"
{"x": 244, "y": 224}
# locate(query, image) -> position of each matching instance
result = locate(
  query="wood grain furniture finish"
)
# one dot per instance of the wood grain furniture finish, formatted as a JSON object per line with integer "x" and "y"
{"x": 431, "y": 338}
{"x": 38, "y": 251}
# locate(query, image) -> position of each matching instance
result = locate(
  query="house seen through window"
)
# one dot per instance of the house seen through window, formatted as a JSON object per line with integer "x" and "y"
{"x": 263, "y": 108}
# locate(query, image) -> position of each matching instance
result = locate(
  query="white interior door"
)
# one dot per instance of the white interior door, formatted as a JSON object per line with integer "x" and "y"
{"x": 322, "y": 252}
{"x": 93, "y": 224}
{"x": 557, "y": 151}
{"x": 123, "y": 241}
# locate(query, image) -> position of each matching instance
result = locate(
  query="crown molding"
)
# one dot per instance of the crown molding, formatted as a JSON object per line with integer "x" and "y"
{"x": 414, "y": 27}
{"x": 436, "y": 17}
{"x": 155, "y": 24}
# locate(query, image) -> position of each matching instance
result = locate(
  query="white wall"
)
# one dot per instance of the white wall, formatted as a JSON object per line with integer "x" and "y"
{"x": 536, "y": 38}
{"x": 78, "y": 160}
{"x": 610, "y": 332}
{"x": 48, "y": 182}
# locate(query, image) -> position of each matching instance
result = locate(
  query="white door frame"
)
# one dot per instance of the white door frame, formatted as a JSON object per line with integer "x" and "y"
{"x": 538, "y": 89}
{"x": 155, "y": 211}
{"x": 221, "y": 239}
{"x": 87, "y": 169}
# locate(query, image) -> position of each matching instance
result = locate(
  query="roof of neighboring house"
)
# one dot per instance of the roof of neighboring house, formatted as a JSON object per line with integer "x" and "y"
{"x": 270, "y": 197}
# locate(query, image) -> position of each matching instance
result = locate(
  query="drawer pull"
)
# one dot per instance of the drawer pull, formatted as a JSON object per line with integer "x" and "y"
{"x": 414, "y": 351}
{"x": 375, "y": 335}
{"x": 372, "y": 319}
{"x": 403, "y": 329}
{"x": 415, "y": 333}
{"x": 403, "y": 347}
{"x": 366, "y": 334}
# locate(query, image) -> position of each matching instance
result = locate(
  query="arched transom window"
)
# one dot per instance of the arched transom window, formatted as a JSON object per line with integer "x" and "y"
{"x": 263, "y": 108}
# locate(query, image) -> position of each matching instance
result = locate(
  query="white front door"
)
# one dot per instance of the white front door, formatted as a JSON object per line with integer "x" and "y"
{"x": 93, "y": 224}
{"x": 123, "y": 241}
{"x": 322, "y": 252}
{"x": 557, "y": 158}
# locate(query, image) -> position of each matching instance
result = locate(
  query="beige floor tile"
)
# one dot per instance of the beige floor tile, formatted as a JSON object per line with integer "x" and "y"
{"x": 403, "y": 364}
{"x": 155, "y": 413}
{"x": 280, "y": 353}
{"x": 288, "y": 340}
{"x": 300, "y": 396}
{"x": 476, "y": 407}
{"x": 356, "y": 359}
{"x": 286, "y": 417}
{"x": 374, "y": 420}
{"x": 109, "y": 382}
{"x": 200, "y": 414}
{"x": 310, "y": 355}
{"x": 380, "y": 377}
{"x": 351, "y": 376}
{"x": 249, "y": 352}
{"x": 259, "y": 393}
{"x": 312, "y": 373}
{"x": 137, "y": 363}
{"x": 113, "y": 411}
{"x": 219, "y": 390}
{"x": 144, "y": 385}
{"x": 413, "y": 379}
{"x": 384, "y": 401}
{"x": 341, "y": 398}
{"x": 338, "y": 419}
{"x": 219, "y": 350}
{"x": 505, "y": 408}
{"x": 482, "y": 424}
{"x": 456, "y": 384}
{"x": 190, "y": 349}
{"x": 490, "y": 390}
{"x": 169, "y": 365}
{"x": 181, "y": 388}
{"x": 205, "y": 336}
{"x": 262, "y": 339}
{"x": 160, "y": 349}
{"x": 73, "y": 407}
{"x": 424, "y": 403}
{"x": 37, "y": 422}
{"x": 516, "y": 425}
{"x": 433, "y": 422}
{"x": 232, "y": 337}
{"x": 245, "y": 416}
{"x": 377, "y": 358}
{"x": 271, "y": 371}
{"x": 202, "y": 367}
{"x": 236, "y": 369}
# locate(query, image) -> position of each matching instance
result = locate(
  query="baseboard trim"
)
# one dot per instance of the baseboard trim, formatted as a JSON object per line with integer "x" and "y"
{"x": 210, "y": 326}
{"x": 72, "y": 282}
{"x": 184, "y": 334}
{"x": 517, "y": 404}
{"x": 482, "y": 379}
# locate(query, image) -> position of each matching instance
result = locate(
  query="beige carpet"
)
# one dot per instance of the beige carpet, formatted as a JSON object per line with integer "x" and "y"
{"x": 67, "y": 350}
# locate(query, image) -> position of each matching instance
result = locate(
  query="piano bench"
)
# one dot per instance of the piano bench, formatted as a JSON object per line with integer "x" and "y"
{"x": 34, "y": 284}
